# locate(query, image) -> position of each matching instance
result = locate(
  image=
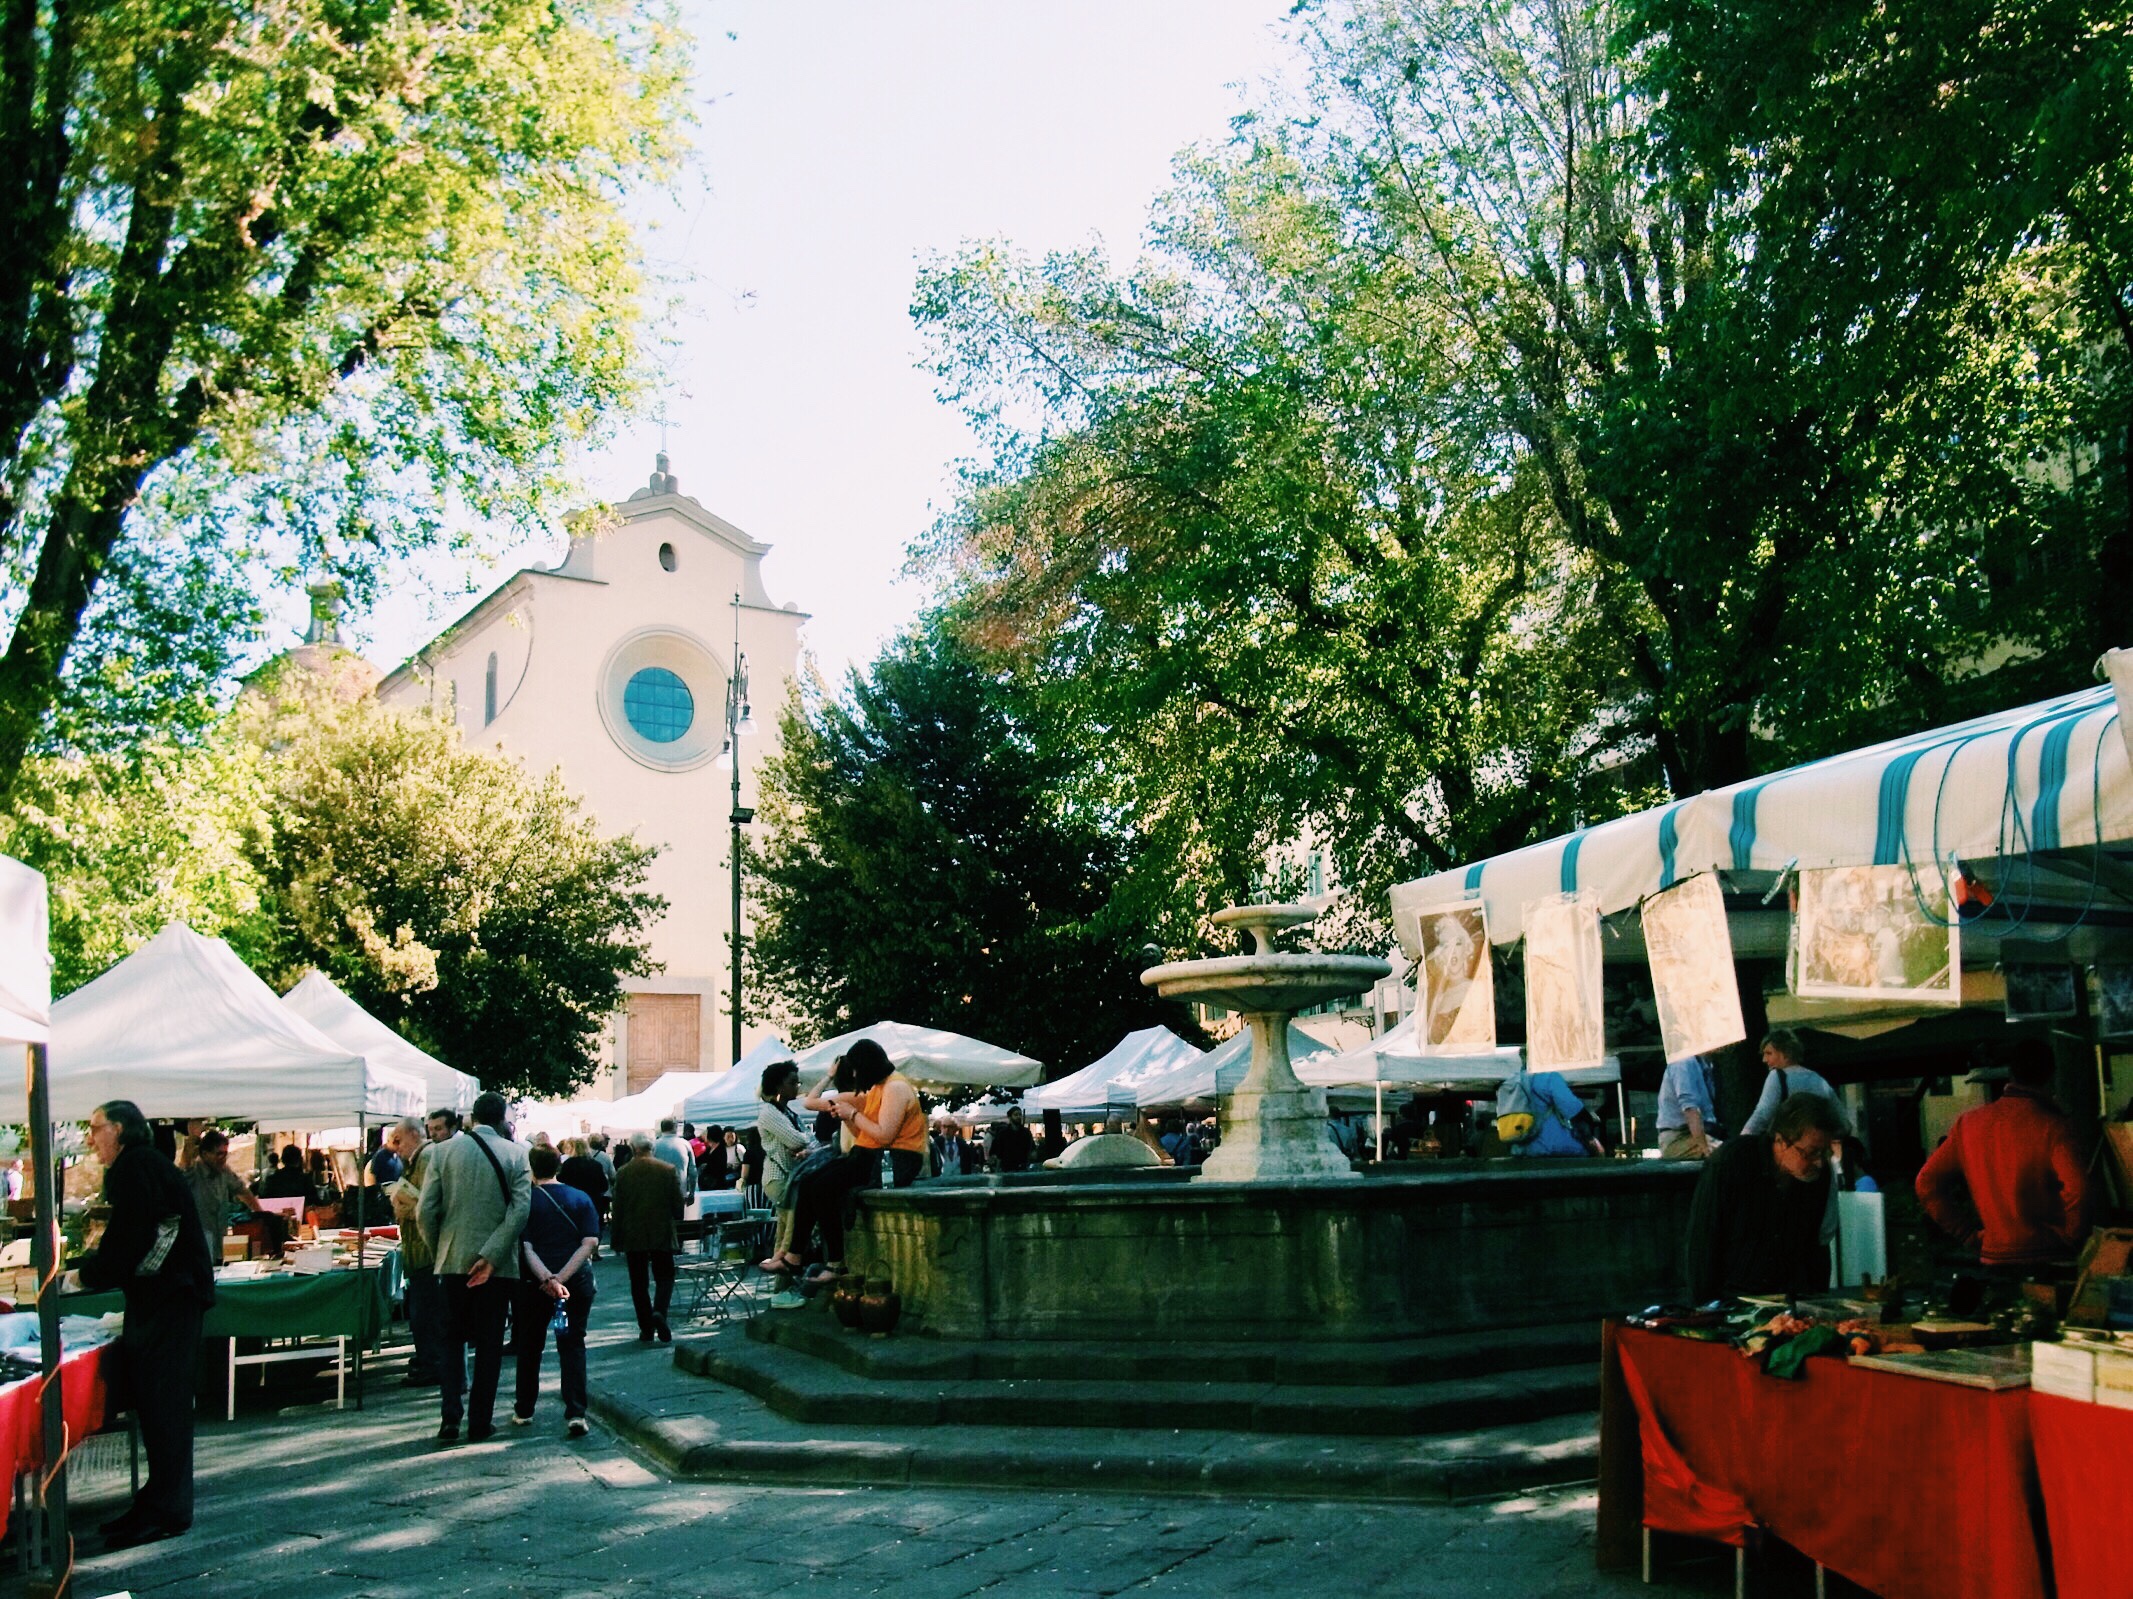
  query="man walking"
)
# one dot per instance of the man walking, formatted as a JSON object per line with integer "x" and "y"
{"x": 425, "y": 1301}
{"x": 155, "y": 1250}
{"x": 672, "y": 1148}
{"x": 647, "y": 1205}
{"x": 476, "y": 1195}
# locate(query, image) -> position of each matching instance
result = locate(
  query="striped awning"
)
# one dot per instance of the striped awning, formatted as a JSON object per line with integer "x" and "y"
{"x": 2039, "y": 778}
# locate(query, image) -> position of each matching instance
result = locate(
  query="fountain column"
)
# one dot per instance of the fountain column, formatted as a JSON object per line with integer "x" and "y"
{"x": 1273, "y": 1127}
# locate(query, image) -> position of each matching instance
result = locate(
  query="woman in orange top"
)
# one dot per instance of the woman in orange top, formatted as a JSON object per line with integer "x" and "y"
{"x": 880, "y": 1112}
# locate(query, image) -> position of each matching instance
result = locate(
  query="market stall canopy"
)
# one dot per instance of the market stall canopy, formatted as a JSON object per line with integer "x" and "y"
{"x": 1116, "y": 1078}
{"x": 643, "y": 1111}
{"x": 570, "y": 1118}
{"x": 1208, "y": 1076}
{"x": 730, "y": 1098}
{"x": 2040, "y": 778}
{"x": 322, "y": 1003}
{"x": 932, "y": 1058}
{"x": 184, "y": 1028}
{"x": 1392, "y": 1060}
{"x": 25, "y": 961}
{"x": 762, "y": 1054}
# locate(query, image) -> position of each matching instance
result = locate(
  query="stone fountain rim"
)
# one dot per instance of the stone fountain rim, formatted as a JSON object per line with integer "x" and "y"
{"x": 1278, "y": 965}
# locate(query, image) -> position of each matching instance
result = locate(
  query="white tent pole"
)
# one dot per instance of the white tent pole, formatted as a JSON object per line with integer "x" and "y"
{"x": 1381, "y": 1119}
{"x": 1621, "y": 1114}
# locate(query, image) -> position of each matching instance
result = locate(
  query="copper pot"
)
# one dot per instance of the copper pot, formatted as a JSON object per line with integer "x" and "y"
{"x": 880, "y": 1307}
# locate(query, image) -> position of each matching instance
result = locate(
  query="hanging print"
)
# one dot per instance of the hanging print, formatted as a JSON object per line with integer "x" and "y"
{"x": 1564, "y": 998}
{"x": 1458, "y": 989}
{"x": 1691, "y": 955}
{"x": 1876, "y": 932}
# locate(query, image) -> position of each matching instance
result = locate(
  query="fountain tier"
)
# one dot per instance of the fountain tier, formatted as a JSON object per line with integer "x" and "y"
{"x": 1273, "y": 1127}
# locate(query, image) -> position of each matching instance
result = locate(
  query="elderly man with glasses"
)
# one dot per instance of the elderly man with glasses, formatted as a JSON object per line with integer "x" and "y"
{"x": 1755, "y": 1226}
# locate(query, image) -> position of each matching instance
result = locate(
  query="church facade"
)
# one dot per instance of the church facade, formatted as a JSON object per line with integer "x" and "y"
{"x": 615, "y": 667}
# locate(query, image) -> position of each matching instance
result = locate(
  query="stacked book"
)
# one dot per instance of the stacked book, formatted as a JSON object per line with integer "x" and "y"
{"x": 2099, "y": 1372}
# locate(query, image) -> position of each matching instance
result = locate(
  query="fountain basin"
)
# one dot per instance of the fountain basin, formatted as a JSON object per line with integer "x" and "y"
{"x": 1261, "y": 984}
{"x": 1462, "y": 1246}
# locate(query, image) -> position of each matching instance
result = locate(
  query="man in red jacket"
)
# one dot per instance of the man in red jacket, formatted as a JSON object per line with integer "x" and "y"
{"x": 2009, "y": 1180}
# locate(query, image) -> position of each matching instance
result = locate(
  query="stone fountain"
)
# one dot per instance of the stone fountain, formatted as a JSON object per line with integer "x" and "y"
{"x": 1273, "y": 1127}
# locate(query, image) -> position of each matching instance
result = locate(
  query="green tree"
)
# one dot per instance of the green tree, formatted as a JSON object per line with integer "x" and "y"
{"x": 1457, "y": 464}
{"x": 1916, "y": 170}
{"x": 920, "y": 867}
{"x": 319, "y": 271}
{"x": 169, "y": 832}
{"x": 471, "y": 904}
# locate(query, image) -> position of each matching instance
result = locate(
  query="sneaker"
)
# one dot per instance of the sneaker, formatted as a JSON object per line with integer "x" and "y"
{"x": 520, "y": 1421}
{"x": 791, "y": 1299}
{"x": 578, "y": 1427}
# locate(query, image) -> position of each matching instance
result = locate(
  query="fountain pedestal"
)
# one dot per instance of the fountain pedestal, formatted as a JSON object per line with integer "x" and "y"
{"x": 1273, "y": 1127}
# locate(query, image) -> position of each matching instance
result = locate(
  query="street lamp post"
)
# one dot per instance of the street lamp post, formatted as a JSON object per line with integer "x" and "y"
{"x": 739, "y": 720}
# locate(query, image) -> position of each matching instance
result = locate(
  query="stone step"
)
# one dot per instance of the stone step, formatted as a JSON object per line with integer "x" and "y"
{"x": 800, "y": 1387}
{"x": 1331, "y": 1364}
{"x": 723, "y": 1436}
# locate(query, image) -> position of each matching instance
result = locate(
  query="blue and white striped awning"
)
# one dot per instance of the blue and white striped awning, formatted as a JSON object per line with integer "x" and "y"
{"x": 2042, "y": 777}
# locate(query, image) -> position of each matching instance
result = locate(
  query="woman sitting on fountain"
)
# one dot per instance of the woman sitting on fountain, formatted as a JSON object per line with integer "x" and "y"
{"x": 881, "y": 1113}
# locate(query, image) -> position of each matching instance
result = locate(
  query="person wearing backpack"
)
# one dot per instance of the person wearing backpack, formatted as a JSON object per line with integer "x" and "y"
{"x": 1537, "y": 1114}
{"x": 476, "y": 1196}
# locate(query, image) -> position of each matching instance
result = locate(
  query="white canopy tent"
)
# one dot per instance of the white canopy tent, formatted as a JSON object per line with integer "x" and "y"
{"x": 320, "y": 1001}
{"x": 2037, "y": 778}
{"x": 643, "y": 1111}
{"x": 184, "y": 1028}
{"x": 932, "y": 1058}
{"x": 1208, "y": 1076}
{"x": 25, "y": 964}
{"x": 1116, "y": 1077}
{"x": 731, "y": 1098}
{"x": 1393, "y": 1060}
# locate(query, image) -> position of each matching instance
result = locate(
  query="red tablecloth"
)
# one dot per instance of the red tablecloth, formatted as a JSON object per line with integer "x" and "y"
{"x": 82, "y": 1389}
{"x": 1911, "y": 1488}
{"x": 2083, "y": 1451}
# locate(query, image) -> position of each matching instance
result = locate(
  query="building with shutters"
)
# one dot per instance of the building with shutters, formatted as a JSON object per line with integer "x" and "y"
{"x": 614, "y": 666}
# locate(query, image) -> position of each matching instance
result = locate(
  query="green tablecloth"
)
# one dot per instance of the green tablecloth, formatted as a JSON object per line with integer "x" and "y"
{"x": 325, "y": 1305}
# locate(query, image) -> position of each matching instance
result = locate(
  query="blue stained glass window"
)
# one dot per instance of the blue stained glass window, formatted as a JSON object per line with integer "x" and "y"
{"x": 658, "y": 704}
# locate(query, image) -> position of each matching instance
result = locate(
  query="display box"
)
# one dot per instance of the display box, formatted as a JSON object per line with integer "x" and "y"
{"x": 2068, "y": 1370}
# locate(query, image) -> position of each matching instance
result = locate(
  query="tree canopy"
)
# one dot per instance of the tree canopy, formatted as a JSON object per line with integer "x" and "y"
{"x": 919, "y": 867}
{"x": 1478, "y": 448}
{"x": 469, "y": 904}
{"x": 294, "y": 282}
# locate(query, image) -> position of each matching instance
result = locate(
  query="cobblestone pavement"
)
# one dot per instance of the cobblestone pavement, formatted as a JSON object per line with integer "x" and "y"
{"x": 312, "y": 1503}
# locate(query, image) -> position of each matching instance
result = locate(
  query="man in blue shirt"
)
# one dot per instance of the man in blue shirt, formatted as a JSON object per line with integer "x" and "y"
{"x": 1559, "y": 1107}
{"x": 562, "y": 1232}
{"x": 1689, "y": 1127}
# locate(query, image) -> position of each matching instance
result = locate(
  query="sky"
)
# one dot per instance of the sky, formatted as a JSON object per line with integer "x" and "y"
{"x": 839, "y": 144}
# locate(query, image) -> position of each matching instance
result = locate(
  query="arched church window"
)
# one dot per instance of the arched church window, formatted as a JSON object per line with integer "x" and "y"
{"x": 666, "y": 556}
{"x": 488, "y": 692}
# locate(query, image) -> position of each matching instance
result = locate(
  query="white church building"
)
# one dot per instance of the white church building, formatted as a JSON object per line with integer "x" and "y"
{"x": 614, "y": 667}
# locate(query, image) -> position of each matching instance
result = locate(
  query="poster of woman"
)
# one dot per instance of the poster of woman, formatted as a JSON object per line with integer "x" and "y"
{"x": 1458, "y": 988}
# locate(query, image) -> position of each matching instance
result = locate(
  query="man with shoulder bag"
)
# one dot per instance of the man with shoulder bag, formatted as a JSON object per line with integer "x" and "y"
{"x": 477, "y": 1191}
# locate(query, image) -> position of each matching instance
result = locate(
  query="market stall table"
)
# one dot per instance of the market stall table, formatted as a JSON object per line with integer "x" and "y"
{"x": 2082, "y": 1450}
{"x": 325, "y": 1311}
{"x": 1911, "y": 1488}
{"x": 83, "y": 1391}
